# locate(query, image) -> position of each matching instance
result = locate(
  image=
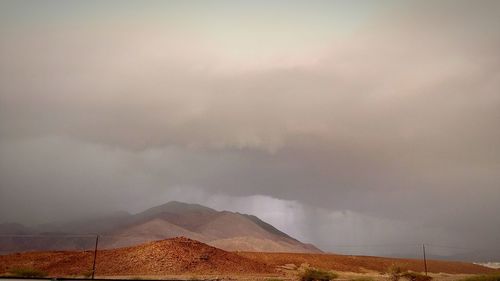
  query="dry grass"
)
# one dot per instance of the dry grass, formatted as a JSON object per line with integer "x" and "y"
{"x": 27, "y": 272}
{"x": 488, "y": 277}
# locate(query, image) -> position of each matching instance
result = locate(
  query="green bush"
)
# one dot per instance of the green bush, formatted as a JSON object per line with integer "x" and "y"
{"x": 487, "y": 277}
{"x": 415, "y": 276}
{"x": 27, "y": 272}
{"x": 317, "y": 275}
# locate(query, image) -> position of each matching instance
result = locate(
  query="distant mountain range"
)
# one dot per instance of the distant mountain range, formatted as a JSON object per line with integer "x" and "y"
{"x": 222, "y": 229}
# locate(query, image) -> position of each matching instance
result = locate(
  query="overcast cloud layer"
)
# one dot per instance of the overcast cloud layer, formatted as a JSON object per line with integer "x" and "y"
{"x": 341, "y": 123}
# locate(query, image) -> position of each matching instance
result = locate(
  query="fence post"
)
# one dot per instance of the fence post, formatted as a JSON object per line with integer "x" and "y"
{"x": 95, "y": 254}
{"x": 425, "y": 260}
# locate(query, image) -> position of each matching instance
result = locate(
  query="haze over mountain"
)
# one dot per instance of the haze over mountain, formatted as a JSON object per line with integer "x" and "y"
{"x": 222, "y": 229}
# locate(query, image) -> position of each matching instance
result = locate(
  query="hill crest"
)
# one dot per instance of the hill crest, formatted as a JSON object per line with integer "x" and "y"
{"x": 179, "y": 255}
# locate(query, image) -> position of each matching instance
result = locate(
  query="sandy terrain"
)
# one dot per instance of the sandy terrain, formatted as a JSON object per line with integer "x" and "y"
{"x": 363, "y": 263}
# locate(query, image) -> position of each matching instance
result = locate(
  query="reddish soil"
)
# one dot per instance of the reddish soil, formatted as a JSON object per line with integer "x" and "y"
{"x": 363, "y": 263}
{"x": 183, "y": 256}
{"x": 170, "y": 256}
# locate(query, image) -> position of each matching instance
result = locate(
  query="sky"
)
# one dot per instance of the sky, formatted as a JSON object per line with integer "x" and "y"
{"x": 365, "y": 127}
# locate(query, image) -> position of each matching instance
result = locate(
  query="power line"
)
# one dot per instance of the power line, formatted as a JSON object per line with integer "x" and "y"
{"x": 52, "y": 235}
{"x": 47, "y": 235}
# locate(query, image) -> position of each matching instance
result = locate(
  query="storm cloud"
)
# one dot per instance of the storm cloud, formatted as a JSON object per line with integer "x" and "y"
{"x": 342, "y": 124}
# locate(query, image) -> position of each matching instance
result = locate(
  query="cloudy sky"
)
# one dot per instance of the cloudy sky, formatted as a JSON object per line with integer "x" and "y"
{"x": 348, "y": 124}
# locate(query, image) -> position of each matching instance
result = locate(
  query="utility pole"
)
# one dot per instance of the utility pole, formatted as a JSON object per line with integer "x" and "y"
{"x": 425, "y": 260}
{"x": 95, "y": 254}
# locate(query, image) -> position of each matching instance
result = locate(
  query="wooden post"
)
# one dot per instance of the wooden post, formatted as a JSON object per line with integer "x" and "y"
{"x": 425, "y": 260}
{"x": 95, "y": 255}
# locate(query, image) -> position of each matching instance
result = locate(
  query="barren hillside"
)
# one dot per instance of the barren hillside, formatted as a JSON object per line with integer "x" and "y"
{"x": 170, "y": 256}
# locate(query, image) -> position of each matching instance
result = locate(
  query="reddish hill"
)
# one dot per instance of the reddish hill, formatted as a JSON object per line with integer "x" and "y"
{"x": 170, "y": 256}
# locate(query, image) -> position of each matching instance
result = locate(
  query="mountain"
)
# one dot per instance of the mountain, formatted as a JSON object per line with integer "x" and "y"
{"x": 14, "y": 229}
{"x": 225, "y": 230}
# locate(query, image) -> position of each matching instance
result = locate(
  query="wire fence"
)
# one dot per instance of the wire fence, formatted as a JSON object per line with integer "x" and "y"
{"x": 415, "y": 250}
{"x": 16, "y": 243}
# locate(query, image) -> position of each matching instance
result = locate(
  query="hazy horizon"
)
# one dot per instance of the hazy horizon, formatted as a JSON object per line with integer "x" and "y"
{"x": 341, "y": 123}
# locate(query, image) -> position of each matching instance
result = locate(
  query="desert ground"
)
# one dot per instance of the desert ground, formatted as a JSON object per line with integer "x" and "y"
{"x": 183, "y": 258}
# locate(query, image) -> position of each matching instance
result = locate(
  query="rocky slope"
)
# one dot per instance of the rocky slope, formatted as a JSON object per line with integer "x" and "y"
{"x": 171, "y": 256}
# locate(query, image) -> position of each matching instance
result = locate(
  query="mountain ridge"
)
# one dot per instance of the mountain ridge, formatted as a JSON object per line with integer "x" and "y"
{"x": 227, "y": 230}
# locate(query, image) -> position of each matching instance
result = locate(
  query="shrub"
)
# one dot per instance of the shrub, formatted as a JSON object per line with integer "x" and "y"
{"x": 317, "y": 275}
{"x": 394, "y": 272}
{"x": 487, "y": 277}
{"x": 87, "y": 274}
{"x": 415, "y": 276}
{"x": 27, "y": 272}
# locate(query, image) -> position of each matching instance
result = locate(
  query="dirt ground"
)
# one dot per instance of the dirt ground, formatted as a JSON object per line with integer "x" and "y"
{"x": 363, "y": 264}
{"x": 343, "y": 276}
{"x": 185, "y": 259}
